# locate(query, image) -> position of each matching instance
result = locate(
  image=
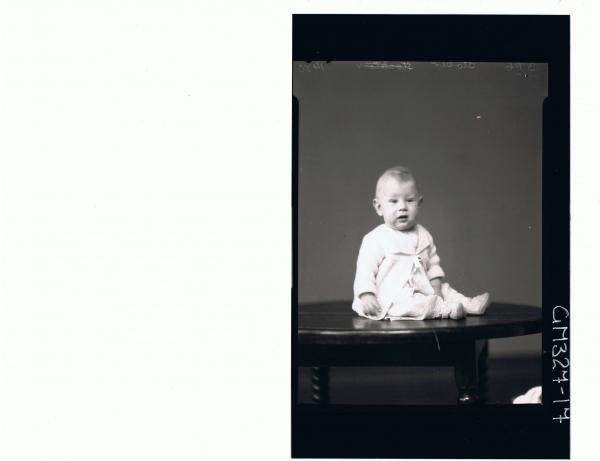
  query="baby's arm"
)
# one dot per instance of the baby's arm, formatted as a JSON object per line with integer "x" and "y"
{"x": 437, "y": 285}
{"x": 370, "y": 304}
{"x": 435, "y": 273}
{"x": 370, "y": 257}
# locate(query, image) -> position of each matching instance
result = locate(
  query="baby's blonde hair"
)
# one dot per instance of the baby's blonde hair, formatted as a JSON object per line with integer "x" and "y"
{"x": 400, "y": 173}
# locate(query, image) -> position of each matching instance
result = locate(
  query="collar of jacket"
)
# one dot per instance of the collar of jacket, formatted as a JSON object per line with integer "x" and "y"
{"x": 423, "y": 240}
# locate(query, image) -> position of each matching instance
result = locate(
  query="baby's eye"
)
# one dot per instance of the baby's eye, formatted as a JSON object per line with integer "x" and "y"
{"x": 393, "y": 200}
{"x": 410, "y": 200}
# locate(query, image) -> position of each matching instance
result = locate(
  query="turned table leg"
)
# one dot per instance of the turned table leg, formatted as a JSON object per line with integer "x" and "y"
{"x": 482, "y": 371}
{"x": 320, "y": 384}
{"x": 465, "y": 373}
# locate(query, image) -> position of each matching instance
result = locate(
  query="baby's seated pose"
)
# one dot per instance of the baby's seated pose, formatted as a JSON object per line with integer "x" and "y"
{"x": 398, "y": 272}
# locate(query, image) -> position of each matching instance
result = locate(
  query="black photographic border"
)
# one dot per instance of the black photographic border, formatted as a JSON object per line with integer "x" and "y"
{"x": 488, "y": 431}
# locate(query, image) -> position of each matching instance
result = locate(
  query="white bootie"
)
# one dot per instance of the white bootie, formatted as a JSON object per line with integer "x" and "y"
{"x": 453, "y": 310}
{"x": 473, "y": 306}
{"x": 477, "y": 305}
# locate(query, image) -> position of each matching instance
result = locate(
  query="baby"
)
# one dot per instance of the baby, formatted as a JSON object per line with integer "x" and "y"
{"x": 398, "y": 273}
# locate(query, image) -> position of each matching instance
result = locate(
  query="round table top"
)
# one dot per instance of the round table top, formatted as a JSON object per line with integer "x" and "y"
{"x": 337, "y": 323}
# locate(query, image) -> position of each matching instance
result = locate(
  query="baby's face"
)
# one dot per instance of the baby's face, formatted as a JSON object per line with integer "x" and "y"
{"x": 398, "y": 202}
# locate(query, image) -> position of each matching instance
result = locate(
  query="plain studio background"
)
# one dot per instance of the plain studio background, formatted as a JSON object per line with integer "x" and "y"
{"x": 471, "y": 133}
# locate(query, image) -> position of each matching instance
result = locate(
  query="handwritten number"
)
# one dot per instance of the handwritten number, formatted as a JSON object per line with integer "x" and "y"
{"x": 563, "y": 365}
{"x": 562, "y": 378}
{"x": 558, "y": 349}
{"x": 565, "y": 415}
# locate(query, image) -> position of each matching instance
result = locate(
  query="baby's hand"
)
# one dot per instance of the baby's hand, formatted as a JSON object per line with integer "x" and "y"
{"x": 370, "y": 304}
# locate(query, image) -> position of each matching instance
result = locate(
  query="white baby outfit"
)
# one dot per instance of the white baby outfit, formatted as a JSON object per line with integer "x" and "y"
{"x": 397, "y": 267}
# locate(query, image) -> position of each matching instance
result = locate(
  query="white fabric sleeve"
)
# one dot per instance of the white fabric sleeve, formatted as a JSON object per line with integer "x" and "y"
{"x": 434, "y": 270}
{"x": 370, "y": 256}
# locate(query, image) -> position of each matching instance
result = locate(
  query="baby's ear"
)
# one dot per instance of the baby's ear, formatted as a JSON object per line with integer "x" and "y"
{"x": 420, "y": 200}
{"x": 377, "y": 206}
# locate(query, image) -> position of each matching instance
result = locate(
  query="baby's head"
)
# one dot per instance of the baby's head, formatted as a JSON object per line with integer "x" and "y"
{"x": 397, "y": 198}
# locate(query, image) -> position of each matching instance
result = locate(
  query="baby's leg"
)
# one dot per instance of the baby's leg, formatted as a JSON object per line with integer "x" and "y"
{"x": 437, "y": 308}
{"x": 473, "y": 306}
{"x": 422, "y": 307}
{"x": 407, "y": 306}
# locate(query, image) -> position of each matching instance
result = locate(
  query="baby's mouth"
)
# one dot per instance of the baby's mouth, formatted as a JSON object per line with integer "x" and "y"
{"x": 402, "y": 218}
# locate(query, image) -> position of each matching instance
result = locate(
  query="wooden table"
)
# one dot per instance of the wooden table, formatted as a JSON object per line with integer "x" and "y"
{"x": 331, "y": 334}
